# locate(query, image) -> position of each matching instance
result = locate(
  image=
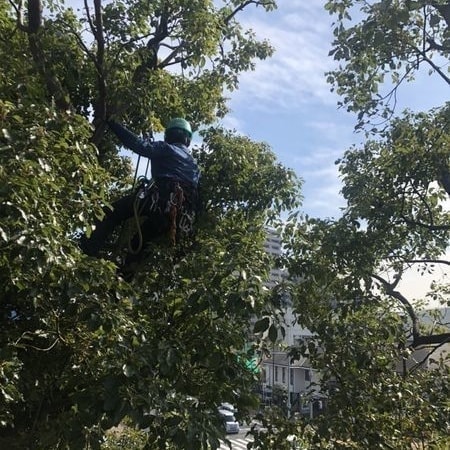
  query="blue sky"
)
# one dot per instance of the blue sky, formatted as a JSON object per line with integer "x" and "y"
{"x": 287, "y": 103}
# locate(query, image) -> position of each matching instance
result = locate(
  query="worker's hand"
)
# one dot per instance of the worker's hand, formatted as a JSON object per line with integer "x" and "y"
{"x": 116, "y": 110}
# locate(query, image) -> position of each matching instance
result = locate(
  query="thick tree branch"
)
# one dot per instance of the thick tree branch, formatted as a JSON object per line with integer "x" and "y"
{"x": 445, "y": 179}
{"x": 428, "y": 261}
{"x": 53, "y": 84}
{"x": 239, "y": 8}
{"x": 100, "y": 102}
{"x": 426, "y": 225}
{"x": 444, "y": 10}
{"x": 433, "y": 339}
{"x": 170, "y": 59}
{"x": 433, "y": 65}
{"x": 418, "y": 339}
{"x": 435, "y": 348}
{"x": 390, "y": 290}
{"x": 34, "y": 15}
{"x": 88, "y": 16}
{"x": 243, "y": 5}
{"x": 435, "y": 46}
{"x": 153, "y": 45}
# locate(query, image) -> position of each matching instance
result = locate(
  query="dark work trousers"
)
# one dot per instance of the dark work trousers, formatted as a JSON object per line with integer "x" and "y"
{"x": 156, "y": 223}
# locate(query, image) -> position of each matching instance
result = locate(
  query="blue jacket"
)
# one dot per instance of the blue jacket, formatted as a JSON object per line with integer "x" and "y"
{"x": 169, "y": 161}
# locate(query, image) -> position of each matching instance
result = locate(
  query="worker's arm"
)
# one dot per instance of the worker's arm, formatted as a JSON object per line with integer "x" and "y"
{"x": 131, "y": 140}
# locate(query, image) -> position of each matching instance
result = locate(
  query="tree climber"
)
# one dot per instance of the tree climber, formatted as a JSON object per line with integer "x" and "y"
{"x": 168, "y": 203}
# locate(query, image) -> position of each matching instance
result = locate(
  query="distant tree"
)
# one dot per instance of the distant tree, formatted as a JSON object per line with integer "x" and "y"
{"x": 367, "y": 403}
{"x": 397, "y": 186}
{"x": 396, "y": 220}
{"x": 387, "y": 45}
{"x": 81, "y": 351}
{"x": 347, "y": 273}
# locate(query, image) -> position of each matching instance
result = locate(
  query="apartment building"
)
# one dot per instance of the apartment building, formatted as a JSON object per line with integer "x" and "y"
{"x": 280, "y": 375}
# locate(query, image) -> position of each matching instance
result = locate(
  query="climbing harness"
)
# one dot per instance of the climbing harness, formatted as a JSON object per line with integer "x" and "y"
{"x": 144, "y": 198}
{"x": 175, "y": 201}
{"x": 141, "y": 188}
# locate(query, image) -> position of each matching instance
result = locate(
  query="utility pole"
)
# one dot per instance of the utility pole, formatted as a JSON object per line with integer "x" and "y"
{"x": 289, "y": 388}
{"x": 273, "y": 373}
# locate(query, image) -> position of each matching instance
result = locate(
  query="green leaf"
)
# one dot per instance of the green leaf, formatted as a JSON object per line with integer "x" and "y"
{"x": 273, "y": 333}
{"x": 261, "y": 325}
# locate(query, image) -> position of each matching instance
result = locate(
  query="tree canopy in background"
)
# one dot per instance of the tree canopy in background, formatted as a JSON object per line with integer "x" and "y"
{"x": 380, "y": 46}
{"x": 397, "y": 186}
{"x": 370, "y": 341}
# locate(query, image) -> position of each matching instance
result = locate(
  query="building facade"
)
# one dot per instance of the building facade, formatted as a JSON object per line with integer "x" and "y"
{"x": 283, "y": 381}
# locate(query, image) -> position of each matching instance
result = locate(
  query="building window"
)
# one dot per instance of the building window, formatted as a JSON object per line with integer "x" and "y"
{"x": 276, "y": 374}
{"x": 264, "y": 375}
{"x": 283, "y": 374}
{"x": 291, "y": 377}
{"x": 307, "y": 375}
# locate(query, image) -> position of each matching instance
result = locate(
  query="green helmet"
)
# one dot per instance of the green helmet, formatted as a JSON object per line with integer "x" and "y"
{"x": 181, "y": 124}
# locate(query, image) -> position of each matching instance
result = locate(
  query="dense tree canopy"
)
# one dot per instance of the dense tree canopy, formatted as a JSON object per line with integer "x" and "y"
{"x": 370, "y": 343}
{"x": 81, "y": 350}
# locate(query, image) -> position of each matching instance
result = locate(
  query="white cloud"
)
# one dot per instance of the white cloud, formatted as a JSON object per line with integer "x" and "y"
{"x": 232, "y": 123}
{"x": 323, "y": 203}
{"x": 317, "y": 158}
{"x": 322, "y": 173}
{"x": 295, "y": 73}
{"x": 335, "y": 130}
{"x": 322, "y": 190}
{"x": 293, "y": 84}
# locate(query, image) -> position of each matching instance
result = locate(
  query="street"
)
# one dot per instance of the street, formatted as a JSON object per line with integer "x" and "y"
{"x": 238, "y": 441}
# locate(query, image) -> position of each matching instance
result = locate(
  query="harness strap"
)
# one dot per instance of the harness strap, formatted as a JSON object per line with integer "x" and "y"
{"x": 174, "y": 205}
{"x": 148, "y": 198}
{"x": 140, "y": 202}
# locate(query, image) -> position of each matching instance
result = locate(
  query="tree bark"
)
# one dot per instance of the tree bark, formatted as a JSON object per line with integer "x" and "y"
{"x": 33, "y": 29}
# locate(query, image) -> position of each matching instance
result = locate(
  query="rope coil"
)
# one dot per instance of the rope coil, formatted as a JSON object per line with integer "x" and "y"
{"x": 141, "y": 201}
{"x": 174, "y": 205}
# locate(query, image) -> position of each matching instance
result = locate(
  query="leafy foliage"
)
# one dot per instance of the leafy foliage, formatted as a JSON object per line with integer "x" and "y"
{"x": 397, "y": 186}
{"x": 152, "y": 61}
{"x": 369, "y": 404}
{"x": 386, "y": 47}
{"x": 82, "y": 351}
{"x": 369, "y": 343}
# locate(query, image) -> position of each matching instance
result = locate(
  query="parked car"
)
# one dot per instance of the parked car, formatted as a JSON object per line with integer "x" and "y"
{"x": 228, "y": 407}
{"x": 230, "y": 422}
